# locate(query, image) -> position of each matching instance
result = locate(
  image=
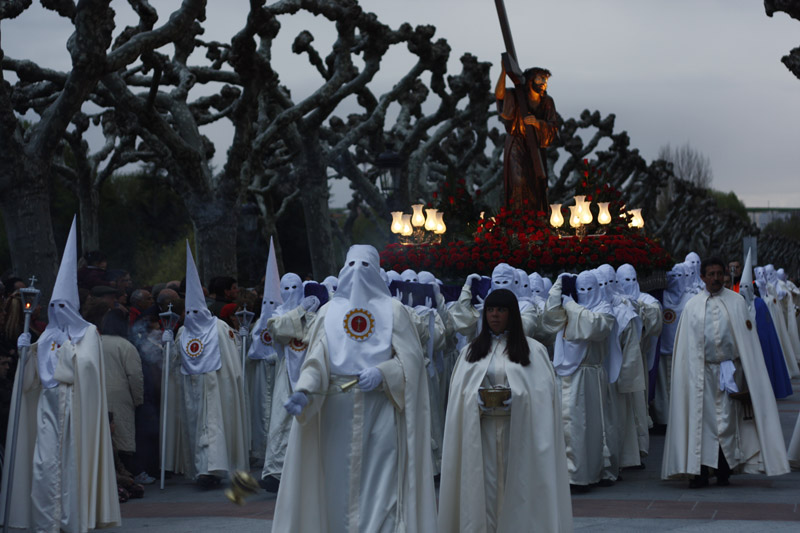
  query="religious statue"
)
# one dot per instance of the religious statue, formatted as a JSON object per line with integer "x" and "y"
{"x": 531, "y": 124}
{"x": 530, "y": 118}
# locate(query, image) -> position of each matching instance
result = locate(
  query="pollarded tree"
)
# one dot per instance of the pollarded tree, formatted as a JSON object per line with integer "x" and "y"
{"x": 27, "y": 153}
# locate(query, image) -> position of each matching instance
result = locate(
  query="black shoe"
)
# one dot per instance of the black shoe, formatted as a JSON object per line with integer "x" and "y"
{"x": 269, "y": 484}
{"x": 206, "y": 481}
{"x": 722, "y": 481}
{"x": 579, "y": 489}
{"x": 698, "y": 482}
{"x": 606, "y": 483}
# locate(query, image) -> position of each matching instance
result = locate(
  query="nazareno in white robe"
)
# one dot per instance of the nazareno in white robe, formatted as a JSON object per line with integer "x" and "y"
{"x": 360, "y": 461}
{"x": 759, "y": 446}
{"x": 505, "y": 473}
{"x": 77, "y": 457}
{"x": 289, "y": 331}
{"x": 214, "y": 414}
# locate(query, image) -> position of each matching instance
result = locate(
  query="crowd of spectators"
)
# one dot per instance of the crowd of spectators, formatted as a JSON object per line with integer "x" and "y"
{"x": 127, "y": 316}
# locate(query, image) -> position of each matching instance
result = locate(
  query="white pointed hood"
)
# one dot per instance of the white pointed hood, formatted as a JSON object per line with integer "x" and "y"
{"x": 291, "y": 293}
{"x": 261, "y": 346}
{"x": 63, "y": 312}
{"x": 746, "y": 286}
{"x": 200, "y": 339}
{"x": 359, "y": 319}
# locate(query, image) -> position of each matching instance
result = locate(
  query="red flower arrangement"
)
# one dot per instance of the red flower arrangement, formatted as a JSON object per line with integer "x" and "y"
{"x": 524, "y": 239}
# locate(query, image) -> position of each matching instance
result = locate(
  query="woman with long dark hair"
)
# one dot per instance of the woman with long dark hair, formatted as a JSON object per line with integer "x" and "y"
{"x": 504, "y": 466}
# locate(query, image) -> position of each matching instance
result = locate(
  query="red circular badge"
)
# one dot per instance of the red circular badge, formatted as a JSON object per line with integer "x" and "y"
{"x": 230, "y": 333}
{"x": 669, "y": 316}
{"x": 359, "y": 324}
{"x": 297, "y": 345}
{"x": 266, "y": 338}
{"x": 194, "y": 347}
{"x": 749, "y": 324}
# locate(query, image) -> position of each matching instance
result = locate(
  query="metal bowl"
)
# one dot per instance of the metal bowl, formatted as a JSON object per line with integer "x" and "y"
{"x": 495, "y": 396}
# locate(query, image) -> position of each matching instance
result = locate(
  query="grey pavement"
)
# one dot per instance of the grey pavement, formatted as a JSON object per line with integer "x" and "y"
{"x": 641, "y": 501}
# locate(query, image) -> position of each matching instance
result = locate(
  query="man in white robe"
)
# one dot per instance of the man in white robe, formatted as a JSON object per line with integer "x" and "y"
{"x": 216, "y": 437}
{"x": 716, "y": 353}
{"x": 64, "y": 466}
{"x": 359, "y": 458}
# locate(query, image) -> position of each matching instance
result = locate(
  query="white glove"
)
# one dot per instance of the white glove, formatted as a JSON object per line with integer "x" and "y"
{"x": 369, "y": 378}
{"x": 310, "y": 303}
{"x": 296, "y": 402}
{"x": 243, "y": 331}
{"x": 23, "y": 341}
{"x": 507, "y": 404}
{"x": 410, "y": 302}
{"x": 471, "y": 278}
{"x": 60, "y": 337}
{"x": 271, "y": 358}
{"x": 167, "y": 336}
{"x": 398, "y": 295}
{"x": 436, "y": 290}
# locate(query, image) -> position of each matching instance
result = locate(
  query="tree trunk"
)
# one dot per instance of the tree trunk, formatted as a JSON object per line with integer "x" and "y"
{"x": 214, "y": 221}
{"x": 89, "y": 216}
{"x": 314, "y": 194}
{"x": 26, "y": 213}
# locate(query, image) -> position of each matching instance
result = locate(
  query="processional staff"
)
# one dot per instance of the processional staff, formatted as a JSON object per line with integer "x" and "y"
{"x": 30, "y": 297}
{"x": 169, "y": 319}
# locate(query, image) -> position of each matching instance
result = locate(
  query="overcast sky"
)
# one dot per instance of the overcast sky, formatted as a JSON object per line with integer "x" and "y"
{"x": 707, "y": 72}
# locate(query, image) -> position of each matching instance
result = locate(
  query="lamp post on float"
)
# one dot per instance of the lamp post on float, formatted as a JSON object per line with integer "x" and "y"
{"x": 418, "y": 228}
{"x": 169, "y": 319}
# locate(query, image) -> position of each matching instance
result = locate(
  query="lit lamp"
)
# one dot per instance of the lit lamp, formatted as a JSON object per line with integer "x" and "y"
{"x": 440, "y": 227}
{"x": 604, "y": 217}
{"x": 556, "y": 218}
{"x": 417, "y": 218}
{"x": 637, "y": 221}
{"x": 574, "y": 216}
{"x": 407, "y": 229}
{"x": 397, "y": 222}
{"x": 586, "y": 213}
{"x": 418, "y": 228}
{"x": 430, "y": 220}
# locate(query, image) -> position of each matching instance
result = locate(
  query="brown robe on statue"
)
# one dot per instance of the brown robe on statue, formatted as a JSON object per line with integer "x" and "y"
{"x": 524, "y": 163}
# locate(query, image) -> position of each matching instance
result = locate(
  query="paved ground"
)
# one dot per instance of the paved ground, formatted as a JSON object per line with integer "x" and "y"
{"x": 640, "y": 502}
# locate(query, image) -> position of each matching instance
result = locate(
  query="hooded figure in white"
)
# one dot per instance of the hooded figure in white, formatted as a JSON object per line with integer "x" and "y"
{"x": 261, "y": 360}
{"x": 64, "y": 466}
{"x": 675, "y": 297}
{"x": 538, "y": 294}
{"x": 580, "y": 348}
{"x": 331, "y": 283}
{"x": 780, "y": 291}
{"x": 216, "y": 430}
{"x": 288, "y": 327}
{"x": 504, "y": 276}
{"x": 359, "y": 458}
{"x": 768, "y": 293}
{"x": 695, "y": 284}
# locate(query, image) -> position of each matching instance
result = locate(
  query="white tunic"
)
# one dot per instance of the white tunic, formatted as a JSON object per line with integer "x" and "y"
{"x": 360, "y": 461}
{"x": 523, "y": 484}
{"x": 64, "y": 470}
